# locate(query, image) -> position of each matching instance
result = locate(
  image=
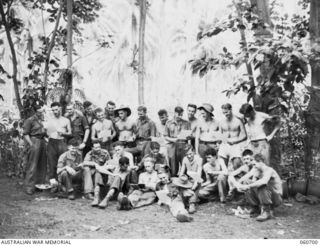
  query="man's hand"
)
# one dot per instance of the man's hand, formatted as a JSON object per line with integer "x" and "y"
{"x": 195, "y": 185}
{"x": 81, "y": 146}
{"x": 70, "y": 170}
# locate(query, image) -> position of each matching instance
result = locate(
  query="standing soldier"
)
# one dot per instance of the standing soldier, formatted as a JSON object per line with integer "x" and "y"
{"x": 109, "y": 111}
{"x": 91, "y": 119}
{"x": 176, "y": 132}
{"x": 58, "y": 129}
{"x": 258, "y": 140}
{"x": 192, "y": 110}
{"x": 79, "y": 126}
{"x": 103, "y": 131}
{"x": 207, "y": 134}
{"x": 34, "y": 133}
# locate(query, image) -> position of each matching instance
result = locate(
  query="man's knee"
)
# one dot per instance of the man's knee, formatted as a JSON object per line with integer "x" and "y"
{"x": 222, "y": 178}
{"x": 236, "y": 163}
{"x": 64, "y": 174}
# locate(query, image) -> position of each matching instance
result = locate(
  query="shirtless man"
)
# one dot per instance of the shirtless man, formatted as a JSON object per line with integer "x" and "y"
{"x": 103, "y": 131}
{"x": 207, "y": 133}
{"x": 258, "y": 141}
{"x": 125, "y": 127}
{"x": 233, "y": 133}
{"x": 58, "y": 128}
{"x": 191, "y": 111}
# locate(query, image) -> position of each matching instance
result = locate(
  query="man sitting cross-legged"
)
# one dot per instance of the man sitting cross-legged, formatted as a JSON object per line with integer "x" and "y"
{"x": 145, "y": 192}
{"x": 216, "y": 177}
{"x": 93, "y": 179}
{"x": 118, "y": 180}
{"x": 69, "y": 169}
{"x": 169, "y": 195}
{"x": 236, "y": 175}
{"x": 265, "y": 192}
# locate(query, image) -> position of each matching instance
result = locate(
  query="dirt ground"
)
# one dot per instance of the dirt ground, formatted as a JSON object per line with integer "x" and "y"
{"x": 23, "y": 216}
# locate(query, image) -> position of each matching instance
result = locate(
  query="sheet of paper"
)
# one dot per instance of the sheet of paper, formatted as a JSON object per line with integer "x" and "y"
{"x": 163, "y": 197}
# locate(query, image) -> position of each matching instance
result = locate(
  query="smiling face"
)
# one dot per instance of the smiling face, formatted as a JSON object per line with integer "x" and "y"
{"x": 148, "y": 165}
{"x": 122, "y": 114}
{"x": 69, "y": 110}
{"x": 96, "y": 148}
{"x": 211, "y": 159}
{"x": 73, "y": 149}
{"x": 100, "y": 115}
{"x": 119, "y": 150}
{"x": 110, "y": 108}
{"x": 163, "y": 177}
{"x": 190, "y": 155}
{"x": 248, "y": 160}
{"x": 227, "y": 113}
{"x": 178, "y": 115}
{"x": 163, "y": 119}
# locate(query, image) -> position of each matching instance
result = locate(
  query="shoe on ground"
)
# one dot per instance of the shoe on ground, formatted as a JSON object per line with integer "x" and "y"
{"x": 71, "y": 196}
{"x": 184, "y": 217}
{"x": 95, "y": 202}
{"x": 88, "y": 196}
{"x": 103, "y": 204}
{"x": 265, "y": 215}
{"x": 254, "y": 211}
{"x": 192, "y": 208}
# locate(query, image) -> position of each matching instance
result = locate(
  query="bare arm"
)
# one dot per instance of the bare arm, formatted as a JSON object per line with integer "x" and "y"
{"x": 247, "y": 176}
{"x": 197, "y": 138}
{"x": 183, "y": 168}
{"x": 263, "y": 181}
{"x": 28, "y": 139}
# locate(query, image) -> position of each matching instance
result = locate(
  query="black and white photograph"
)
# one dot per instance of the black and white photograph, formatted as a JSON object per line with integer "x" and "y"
{"x": 159, "y": 119}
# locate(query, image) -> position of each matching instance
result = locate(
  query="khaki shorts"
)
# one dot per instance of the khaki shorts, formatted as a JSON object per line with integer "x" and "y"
{"x": 228, "y": 151}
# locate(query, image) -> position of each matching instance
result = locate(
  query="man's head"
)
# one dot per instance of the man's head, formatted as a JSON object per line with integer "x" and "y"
{"x": 56, "y": 109}
{"x": 211, "y": 155}
{"x": 73, "y": 146}
{"x": 123, "y": 114}
{"x": 178, "y": 113}
{"x": 88, "y": 107}
{"x": 163, "y": 177}
{"x": 96, "y": 148}
{"x": 70, "y": 109}
{"x": 149, "y": 164}
{"x": 227, "y": 110}
{"x": 110, "y": 107}
{"x": 192, "y": 109}
{"x": 123, "y": 163}
{"x": 142, "y": 112}
{"x": 39, "y": 112}
{"x": 247, "y": 110}
{"x": 247, "y": 157}
{"x": 189, "y": 152}
{"x": 206, "y": 111}
{"x": 259, "y": 161}
{"x": 99, "y": 114}
{"x": 118, "y": 148}
{"x": 163, "y": 116}
{"x": 155, "y": 147}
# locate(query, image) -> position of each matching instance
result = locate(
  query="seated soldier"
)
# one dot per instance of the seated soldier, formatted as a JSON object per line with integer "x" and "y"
{"x": 216, "y": 177}
{"x": 69, "y": 169}
{"x": 93, "y": 179}
{"x": 264, "y": 193}
{"x": 235, "y": 176}
{"x": 175, "y": 201}
{"x": 118, "y": 181}
{"x": 145, "y": 192}
{"x": 192, "y": 167}
{"x": 160, "y": 160}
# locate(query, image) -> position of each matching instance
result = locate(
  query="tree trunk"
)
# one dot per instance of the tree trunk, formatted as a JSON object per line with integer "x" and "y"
{"x": 312, "y": 116}
{"x": 51, "y": 45}
{"x": 14, "y": 59}
{"x": 69, "y": 41}
{"x": 141, "y": 72}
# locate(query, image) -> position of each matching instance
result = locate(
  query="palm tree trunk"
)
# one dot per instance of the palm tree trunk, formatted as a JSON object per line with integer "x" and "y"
{"x": 14, "y": 59}
{"x": 312, "y": 115}
{"x": 69, "y": 42}
{"x": 141, "y": 72}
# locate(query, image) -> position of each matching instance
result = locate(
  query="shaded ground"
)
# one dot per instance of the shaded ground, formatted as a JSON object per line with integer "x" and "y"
{"x": 23, "y": 216}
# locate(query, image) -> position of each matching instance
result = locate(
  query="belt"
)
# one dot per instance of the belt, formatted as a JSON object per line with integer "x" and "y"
{"x": 37, "y": 137}
{"x": 143, "y": 139}
{"x": 208, "y": 142}
{"x": 181, "y": 141}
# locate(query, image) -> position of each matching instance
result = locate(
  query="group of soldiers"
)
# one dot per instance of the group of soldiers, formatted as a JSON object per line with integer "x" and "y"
{"x": 176, "y": 161}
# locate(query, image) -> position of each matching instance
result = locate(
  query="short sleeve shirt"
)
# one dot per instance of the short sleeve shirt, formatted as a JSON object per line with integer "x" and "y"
{"x": 173, "y": 127}
{"x": 66, "y": 159}
{"x": 146, "y": 128}
{"x": 79, "y": 124}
